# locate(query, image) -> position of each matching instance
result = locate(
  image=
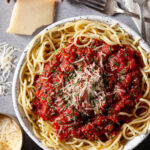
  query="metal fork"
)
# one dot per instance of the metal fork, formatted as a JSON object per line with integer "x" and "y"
{"x": 142, "y": 20}
{"x": 109, "y": 7}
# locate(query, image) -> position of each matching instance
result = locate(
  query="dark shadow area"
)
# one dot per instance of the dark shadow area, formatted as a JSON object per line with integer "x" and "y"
{"x": 56, "y": 11}
{"x": 73, "y": 2}
{"x": 30, "y": 143}
{"x": 145, "y": 145}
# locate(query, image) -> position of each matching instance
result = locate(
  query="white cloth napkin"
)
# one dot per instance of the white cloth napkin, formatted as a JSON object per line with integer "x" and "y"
{"x": 131, "y": 6}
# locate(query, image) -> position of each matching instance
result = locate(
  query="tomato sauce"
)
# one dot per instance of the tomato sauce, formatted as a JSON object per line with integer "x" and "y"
{"x": 96, "y": 116}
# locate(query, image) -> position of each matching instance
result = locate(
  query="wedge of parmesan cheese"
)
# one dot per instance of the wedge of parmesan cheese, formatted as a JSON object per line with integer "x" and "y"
{"x": 28, "y": 15}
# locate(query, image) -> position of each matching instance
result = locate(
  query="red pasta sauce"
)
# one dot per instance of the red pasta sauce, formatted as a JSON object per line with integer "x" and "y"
{"x": 84, "y": 89}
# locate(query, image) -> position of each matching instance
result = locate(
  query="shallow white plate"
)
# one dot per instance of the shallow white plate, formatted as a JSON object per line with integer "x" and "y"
{"x": 26, "y": 125}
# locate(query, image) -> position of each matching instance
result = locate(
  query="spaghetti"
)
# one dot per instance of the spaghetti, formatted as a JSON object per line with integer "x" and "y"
{"x": 85, "y": 85}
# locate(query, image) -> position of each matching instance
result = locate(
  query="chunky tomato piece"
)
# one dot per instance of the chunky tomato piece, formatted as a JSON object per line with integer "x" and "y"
{"x": 107, "y": 49}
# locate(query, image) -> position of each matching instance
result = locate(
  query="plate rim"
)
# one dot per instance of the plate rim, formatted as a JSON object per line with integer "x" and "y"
{"x": 130, "y": 144}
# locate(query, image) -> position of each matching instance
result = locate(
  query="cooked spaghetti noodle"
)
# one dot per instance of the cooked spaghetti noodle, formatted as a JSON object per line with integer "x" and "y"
{"x": 81, "y": 34}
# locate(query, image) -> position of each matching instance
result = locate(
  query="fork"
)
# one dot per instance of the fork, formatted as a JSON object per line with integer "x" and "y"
{"x": 142, "y": 20}
{"x": 109, "y": 7}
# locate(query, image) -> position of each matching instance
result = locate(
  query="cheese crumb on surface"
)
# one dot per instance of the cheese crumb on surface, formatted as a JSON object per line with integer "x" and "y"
{"x": 28, "y": 15}
{"x": 7, "y": 61}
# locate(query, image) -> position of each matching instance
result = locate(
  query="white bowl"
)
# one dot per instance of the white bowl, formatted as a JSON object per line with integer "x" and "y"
{"x": 26, "y": 125}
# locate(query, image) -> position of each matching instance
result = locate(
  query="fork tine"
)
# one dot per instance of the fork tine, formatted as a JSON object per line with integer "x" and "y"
{"x": 96, "y": 3}
{"x": 91, "y": 5}
{"x": 102, "y": 2}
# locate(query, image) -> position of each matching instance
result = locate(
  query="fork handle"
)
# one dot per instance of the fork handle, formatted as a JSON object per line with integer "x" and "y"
{"x": 143, "y": 30}
{"x": 121, "y": 11}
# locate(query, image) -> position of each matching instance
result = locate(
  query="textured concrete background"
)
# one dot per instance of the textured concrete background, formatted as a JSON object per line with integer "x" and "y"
{"x": 65, "y": 10}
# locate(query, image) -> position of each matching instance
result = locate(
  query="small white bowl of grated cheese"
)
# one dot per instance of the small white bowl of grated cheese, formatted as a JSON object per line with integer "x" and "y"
{"x": 11, "y": 136}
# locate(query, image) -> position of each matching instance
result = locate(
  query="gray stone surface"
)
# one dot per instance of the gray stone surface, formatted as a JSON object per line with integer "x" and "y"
{"x": 68, "y": 9}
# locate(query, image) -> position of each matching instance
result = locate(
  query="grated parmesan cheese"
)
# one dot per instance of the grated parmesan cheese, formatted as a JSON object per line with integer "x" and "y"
{"x": 10, "y": 134}
{"x": 7, "y": 63}
{"x": 82, "y": 86}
